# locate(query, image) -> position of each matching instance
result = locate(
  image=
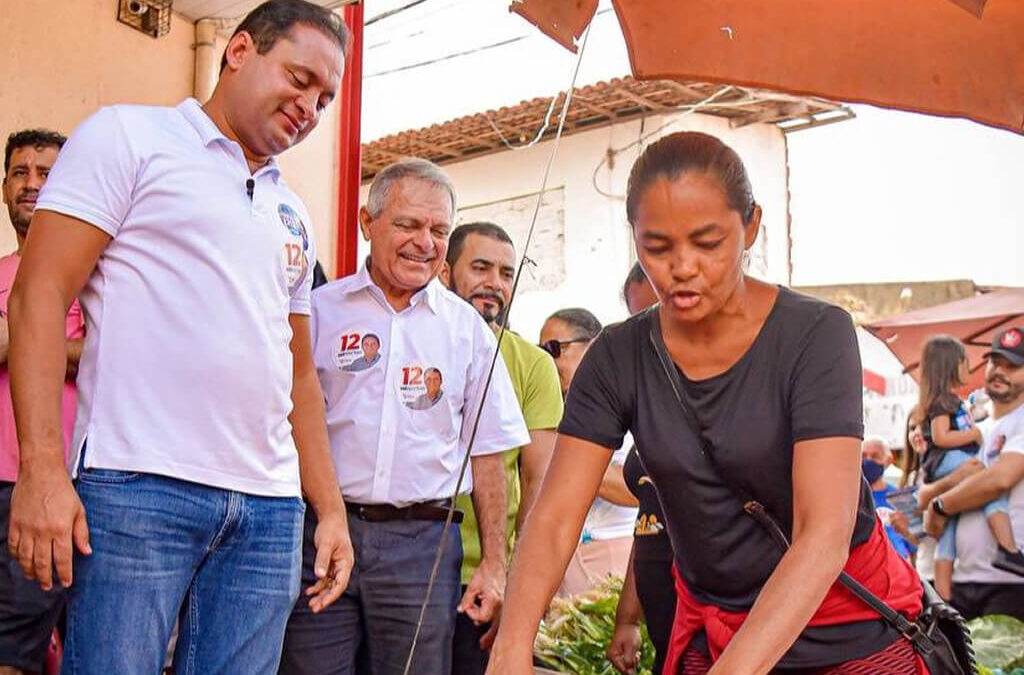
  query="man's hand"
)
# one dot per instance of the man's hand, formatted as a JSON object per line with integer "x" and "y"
{"x": 46, "y": 516}
{"x": 334, "y": 560}
{"x": 932, "y": 490}
{"x": 967, "y": 469}
{"x": 487, "y": 639}
{"x": 934, "y": 523}
{"x": 485, "y": 593}
{"x": 624, "y": 649}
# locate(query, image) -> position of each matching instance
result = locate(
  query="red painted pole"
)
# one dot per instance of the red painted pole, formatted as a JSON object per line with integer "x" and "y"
{"x": 349, "y": 148}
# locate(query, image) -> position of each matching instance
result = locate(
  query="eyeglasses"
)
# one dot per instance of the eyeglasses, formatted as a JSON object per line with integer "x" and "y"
{"x": 555, "y": 347}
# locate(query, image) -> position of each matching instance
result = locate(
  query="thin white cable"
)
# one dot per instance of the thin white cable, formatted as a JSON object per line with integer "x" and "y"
{"x": 497, "y": 351}
{"x": 685, "y": 111}
{"x": 536, "y": 139}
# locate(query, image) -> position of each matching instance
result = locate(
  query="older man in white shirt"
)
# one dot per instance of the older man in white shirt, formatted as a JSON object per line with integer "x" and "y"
{"x": 398, "y": 440}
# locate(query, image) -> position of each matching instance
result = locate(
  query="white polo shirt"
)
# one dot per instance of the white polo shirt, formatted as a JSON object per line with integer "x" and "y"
{"x": 395, "y": 437}
{"x": 186, "y": 369}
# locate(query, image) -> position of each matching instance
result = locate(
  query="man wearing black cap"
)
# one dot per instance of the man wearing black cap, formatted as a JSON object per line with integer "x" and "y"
{"x": 979, "y": 586}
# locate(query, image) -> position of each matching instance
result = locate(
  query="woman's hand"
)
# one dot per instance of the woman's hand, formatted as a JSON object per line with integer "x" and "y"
{"x": 901, "y": 524}
{"x": 624, "y": 649}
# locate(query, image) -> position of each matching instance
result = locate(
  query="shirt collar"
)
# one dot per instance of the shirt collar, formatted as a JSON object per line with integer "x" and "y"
{"x": 430, "y": 294}
{"x": 209, "y": 133}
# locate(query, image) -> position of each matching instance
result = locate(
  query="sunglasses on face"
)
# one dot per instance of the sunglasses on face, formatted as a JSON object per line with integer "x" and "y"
{"x": 555, "y": 347}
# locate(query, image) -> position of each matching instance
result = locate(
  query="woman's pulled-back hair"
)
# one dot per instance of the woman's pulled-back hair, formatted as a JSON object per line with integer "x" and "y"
{"x": 678, "y": 153}
{"x": 940, "y": 375}
{"x": 582, "y": 321}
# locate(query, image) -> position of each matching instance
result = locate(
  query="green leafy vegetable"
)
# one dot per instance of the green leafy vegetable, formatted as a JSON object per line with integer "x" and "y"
{"x": 574, "y": 635}
{"x": 998, "y": 643}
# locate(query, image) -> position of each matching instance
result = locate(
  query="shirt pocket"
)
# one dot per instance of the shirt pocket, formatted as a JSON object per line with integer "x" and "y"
{"x": 436, "y": 423}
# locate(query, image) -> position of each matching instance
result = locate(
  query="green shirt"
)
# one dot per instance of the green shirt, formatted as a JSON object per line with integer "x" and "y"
{"x": 535, "y": 381}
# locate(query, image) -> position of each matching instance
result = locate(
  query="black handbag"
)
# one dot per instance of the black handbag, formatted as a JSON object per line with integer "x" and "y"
{"x": 939, "y": 634}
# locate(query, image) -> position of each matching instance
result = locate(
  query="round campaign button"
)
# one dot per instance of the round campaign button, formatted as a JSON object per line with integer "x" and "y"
{"x": 295, "y": 248}
{"x": 356, "y": 350}
{"x": 421, "y": 387}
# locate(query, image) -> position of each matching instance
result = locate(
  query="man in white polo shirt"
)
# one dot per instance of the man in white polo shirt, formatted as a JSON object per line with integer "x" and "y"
{"x": 986, "y": 581}
{"x": 399, "y": 430}
{"x": 199, "y": 404}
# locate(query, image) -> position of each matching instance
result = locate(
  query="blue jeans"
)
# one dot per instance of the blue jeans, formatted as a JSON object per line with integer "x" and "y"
{"x": 227, "y": 563}
{"x": 946, "y": 550}
{"x": 369, "y": 629}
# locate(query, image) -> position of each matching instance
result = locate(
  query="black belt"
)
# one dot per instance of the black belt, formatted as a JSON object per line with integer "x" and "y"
{"x": 379, "y": 513}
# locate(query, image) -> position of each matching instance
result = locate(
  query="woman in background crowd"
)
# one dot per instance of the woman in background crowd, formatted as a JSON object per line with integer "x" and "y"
{"x": 913, "y": 449}
{"x": 605, "y": 541}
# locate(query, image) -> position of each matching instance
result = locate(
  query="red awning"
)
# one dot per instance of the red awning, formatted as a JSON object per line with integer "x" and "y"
{"x": 975, "y": 321}
{"x": 946, "y": 57}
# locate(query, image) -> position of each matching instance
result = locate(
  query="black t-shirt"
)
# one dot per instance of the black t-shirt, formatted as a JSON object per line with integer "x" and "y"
{"x": 952, "y": 407}
{"x": 799, "y": 380}
{"x": 650, "y": 540}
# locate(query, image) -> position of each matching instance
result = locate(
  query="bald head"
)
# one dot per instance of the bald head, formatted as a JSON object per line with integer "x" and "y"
{"x": 877, "y": 450}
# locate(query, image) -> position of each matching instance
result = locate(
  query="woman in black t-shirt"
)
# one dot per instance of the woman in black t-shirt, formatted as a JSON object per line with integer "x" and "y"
{"x": 774, "y": 379}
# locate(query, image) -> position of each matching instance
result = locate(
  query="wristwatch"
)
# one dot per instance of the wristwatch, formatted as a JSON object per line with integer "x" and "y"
{"x": 937, "y": 507}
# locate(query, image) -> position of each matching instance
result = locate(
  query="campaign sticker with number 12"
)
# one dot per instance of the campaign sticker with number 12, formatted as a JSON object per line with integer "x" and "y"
{"x": 356, "y": 351}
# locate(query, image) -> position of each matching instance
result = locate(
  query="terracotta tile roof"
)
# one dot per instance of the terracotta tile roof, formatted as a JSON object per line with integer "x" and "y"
{"x": 594, "y": 106}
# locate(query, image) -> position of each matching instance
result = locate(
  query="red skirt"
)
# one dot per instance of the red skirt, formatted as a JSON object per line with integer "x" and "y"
{"x": 898, "y": 658}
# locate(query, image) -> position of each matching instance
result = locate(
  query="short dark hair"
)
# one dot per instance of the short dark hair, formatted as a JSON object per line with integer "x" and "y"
{"x": 37, "y": 138}
{"x": 274, "y": 19}
{"x": 428, "y": 371}
{"x": 636, "y": 276}
{"x": 579, "y": 319}
{"x": 457, "y": 239}
{"x": 370, "y": 336}
{"x": 684, "y": 151}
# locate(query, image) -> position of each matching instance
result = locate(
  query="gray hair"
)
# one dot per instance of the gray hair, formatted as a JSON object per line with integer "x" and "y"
{"x": 411, "y": 167}
{"x": 880, "y": 442}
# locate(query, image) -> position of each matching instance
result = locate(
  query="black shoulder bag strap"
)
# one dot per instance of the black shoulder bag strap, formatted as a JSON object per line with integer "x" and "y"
{"x": 755, "y": 509}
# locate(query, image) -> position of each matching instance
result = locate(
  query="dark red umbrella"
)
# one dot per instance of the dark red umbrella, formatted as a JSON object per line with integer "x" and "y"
{"x": 974, "y": 321}
{"x": 961, "y": 58}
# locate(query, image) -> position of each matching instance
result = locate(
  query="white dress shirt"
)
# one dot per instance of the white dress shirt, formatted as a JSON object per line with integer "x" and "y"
{"x": 186, "y": 369}
{"x": 392, "y": 441}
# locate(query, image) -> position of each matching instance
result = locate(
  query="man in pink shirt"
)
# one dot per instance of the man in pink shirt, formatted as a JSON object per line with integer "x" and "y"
{"x": 27, "y": 613}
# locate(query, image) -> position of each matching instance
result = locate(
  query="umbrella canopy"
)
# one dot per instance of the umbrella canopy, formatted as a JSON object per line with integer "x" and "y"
{"x": 961, "y": 58}
{"x": 975, "y": 321}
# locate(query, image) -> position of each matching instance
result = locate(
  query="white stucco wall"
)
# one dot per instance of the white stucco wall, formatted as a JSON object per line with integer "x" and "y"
{"x": 598, "y": 246}
{"x": 63, "y": 60}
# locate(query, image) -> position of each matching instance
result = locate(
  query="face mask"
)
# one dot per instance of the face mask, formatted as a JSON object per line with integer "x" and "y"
{"x": 872, "y": 470}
